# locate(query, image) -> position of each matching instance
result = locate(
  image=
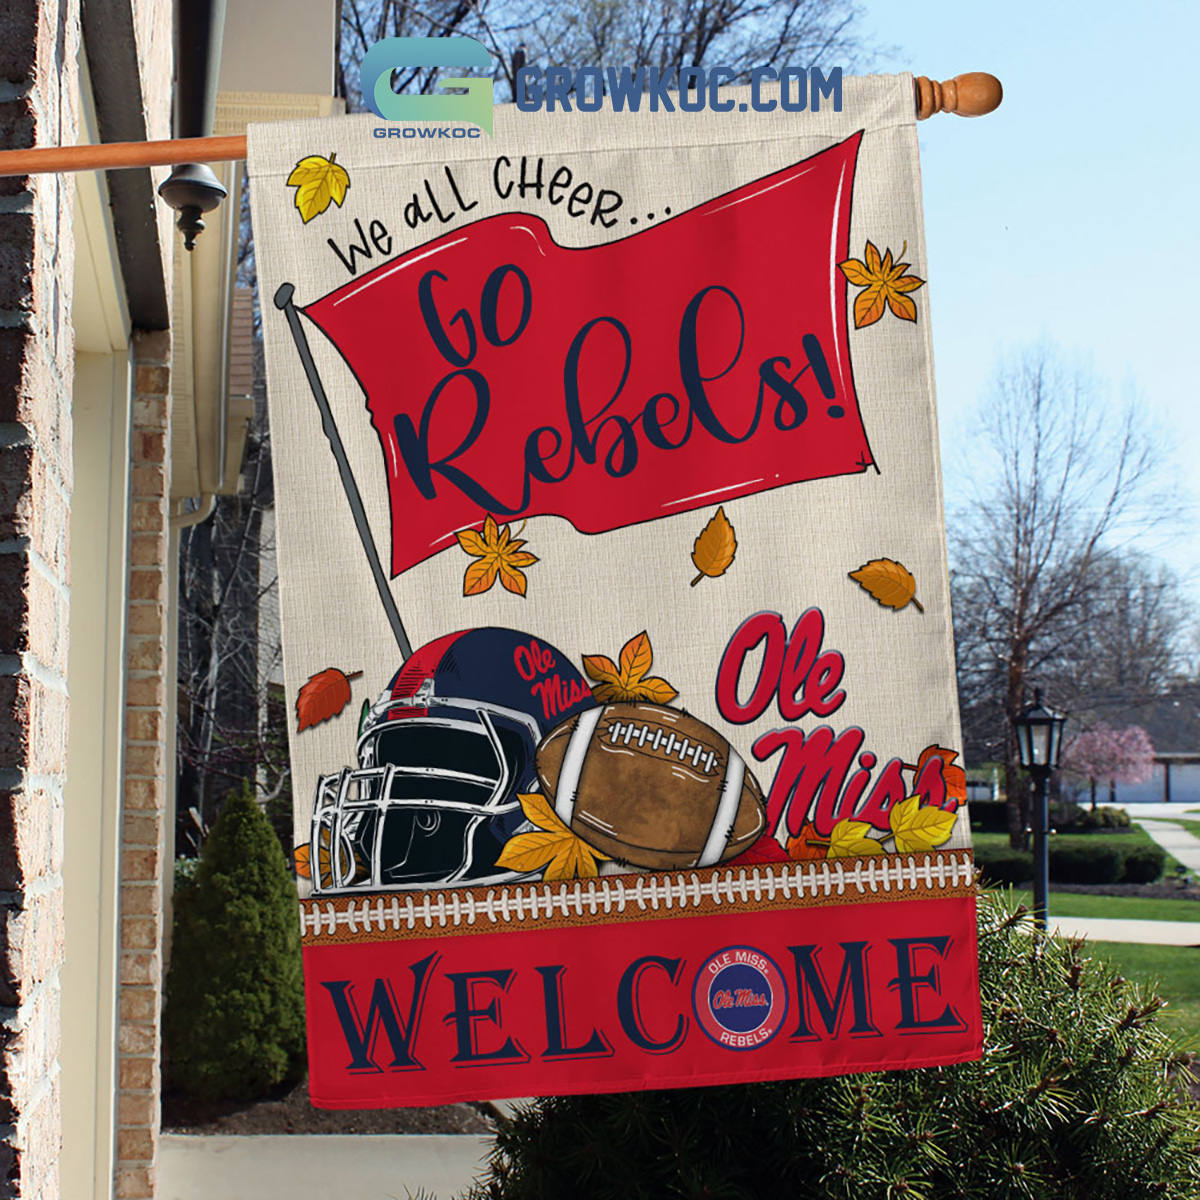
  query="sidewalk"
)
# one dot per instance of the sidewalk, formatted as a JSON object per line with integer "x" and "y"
{"x": 315, "y": 1167}
{"x": 1114, "y": 929}
{"x": 1174, "y": 839}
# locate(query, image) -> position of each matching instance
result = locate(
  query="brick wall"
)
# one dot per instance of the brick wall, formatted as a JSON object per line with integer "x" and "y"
{"x": 38, "y": 45}
{"x": 144, "y": 816}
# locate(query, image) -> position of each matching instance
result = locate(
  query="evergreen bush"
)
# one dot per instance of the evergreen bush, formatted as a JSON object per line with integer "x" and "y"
{"x": 1078, "y": 1097}
{"x": 988, "y": 816}
{"x": 1003, "y": 864}
{"x": 1086, "y": 862}
{"x": 1104, "y": 817}
{"x": 234, "y": 1020}
{"x": 1144, "y": 864}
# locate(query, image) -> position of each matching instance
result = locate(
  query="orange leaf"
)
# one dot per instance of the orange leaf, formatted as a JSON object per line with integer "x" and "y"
{"x": 512, "y": 578}
{"x": 856, "y": 272}
{"x": 947, "y": 756}
{"x": 323, "y": 696}
{"x": 954, "y": 777}
{"x": 714, "y": 549}
{"x": 889, "y": 582}
{"x": 807, "y": 844}
{"x": 601, "y": 668}
{"x": 869, "y": 306}
{"x": 636, "y": 657}
{"x": 884, "y": 286}
{"x": 902, "y": 306}
{"x": 654, "y": 690}
{"x": 611, "y": 693}
{"x": 626, "y": 684}
{"x": 479, "y": 576}
{"x": 471, "y": 542}
{"x": 498, "y": 555}
{"x": 956, "y": 782}
{"x": 301, "y": 857}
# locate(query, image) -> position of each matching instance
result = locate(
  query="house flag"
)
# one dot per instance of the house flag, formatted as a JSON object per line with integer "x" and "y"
{"x": 615, "y": 605}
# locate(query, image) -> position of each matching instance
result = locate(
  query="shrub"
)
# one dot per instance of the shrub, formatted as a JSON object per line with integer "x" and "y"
{"x": 1065, "y": 814}
{"x": 1002, "y": 864}
{"x": 988, "y": 816}
{"x": 1143, "y": 864}
{"x": 1080, "y": 861}
{"x": 1074, "y": 1097}
{"x": 234, "y": 1020}
{"x": 1104, "y": 817}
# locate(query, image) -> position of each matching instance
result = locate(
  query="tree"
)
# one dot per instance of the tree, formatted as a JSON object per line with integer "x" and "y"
{"x": 1064, "y": 478}
{"x": 1077, "y": 1094}
{"x": 1102, "y": 753}
{"x": 1130, "y": 638}
{"x": 231, "y": 723}
{"x": 234, "y": 1021}
{"x": 662, "y": 34}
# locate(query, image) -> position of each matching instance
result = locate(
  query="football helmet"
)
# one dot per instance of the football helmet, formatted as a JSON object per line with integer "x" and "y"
{"x": 442, "y": 756}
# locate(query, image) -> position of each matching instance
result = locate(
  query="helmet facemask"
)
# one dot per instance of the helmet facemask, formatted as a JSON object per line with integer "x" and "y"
{"x": 432, "y": 801}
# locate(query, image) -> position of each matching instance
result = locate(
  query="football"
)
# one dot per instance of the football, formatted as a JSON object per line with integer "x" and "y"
{"x": 651, "y": 786}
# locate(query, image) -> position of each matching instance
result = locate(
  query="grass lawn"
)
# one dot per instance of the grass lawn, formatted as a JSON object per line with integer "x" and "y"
{"x": 1128, "y": 908}
{"x": 1193, "y": 827}
{"x": 1133, "y": 836}
{"x": 1176, "y": 970}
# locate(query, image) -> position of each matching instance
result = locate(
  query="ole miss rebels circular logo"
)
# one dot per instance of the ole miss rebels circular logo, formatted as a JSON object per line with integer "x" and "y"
{"x": 740, "y": 998}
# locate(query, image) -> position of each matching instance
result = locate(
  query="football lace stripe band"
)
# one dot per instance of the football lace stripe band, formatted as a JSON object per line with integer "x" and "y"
{"x": 601, "y": 900}
{"x": 727, "y": 810}
{"x": 572, "y": 764}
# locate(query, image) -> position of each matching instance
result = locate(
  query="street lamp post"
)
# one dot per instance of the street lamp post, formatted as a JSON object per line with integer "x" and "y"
{"x": 1039, "y": 744}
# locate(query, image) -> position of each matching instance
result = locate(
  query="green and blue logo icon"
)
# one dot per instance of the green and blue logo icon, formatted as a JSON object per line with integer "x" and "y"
{"x": 399, "y": 53}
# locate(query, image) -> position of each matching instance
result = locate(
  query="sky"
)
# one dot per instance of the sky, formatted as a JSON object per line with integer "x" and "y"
{"x": 1070, "y": 214}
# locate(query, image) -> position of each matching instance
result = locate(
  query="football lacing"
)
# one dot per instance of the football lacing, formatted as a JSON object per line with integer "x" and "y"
{"x": 624, "y": 732}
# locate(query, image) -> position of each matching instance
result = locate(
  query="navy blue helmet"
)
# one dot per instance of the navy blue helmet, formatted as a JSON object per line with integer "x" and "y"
{"x": 442, "y": 756}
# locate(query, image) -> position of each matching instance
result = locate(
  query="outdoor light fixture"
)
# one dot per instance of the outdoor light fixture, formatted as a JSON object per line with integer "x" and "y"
{"x": 192, "y": 190}
{"x": 1039, "y": 736}
{"x": 1039, "y": 733}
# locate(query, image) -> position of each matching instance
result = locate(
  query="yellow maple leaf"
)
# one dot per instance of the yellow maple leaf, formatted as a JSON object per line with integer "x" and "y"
{"x": 552, "y": 845}
{"x": 714, "y": 549}
{"x": 849, "y": 840}
{"x": 499, "y": 555}
{"x": 886, "y": 286}
{"x": 916, "y": 827}
{"x": 627, "y": 683}
{"x": 319, "y": 182}
{"x": 889, "y": 582}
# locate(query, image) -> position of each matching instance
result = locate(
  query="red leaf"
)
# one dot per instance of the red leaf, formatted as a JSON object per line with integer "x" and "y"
{"x": 322, "y": 697}
{"x": 765, "y": 850}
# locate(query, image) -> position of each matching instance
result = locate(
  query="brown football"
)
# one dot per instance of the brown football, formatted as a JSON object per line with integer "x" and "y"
{"x": 651, "y": 786}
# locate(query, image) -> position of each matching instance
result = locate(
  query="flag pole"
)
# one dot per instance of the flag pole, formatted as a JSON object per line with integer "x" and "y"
{"x": 283, "y": 301}
{"x": 971, "y": 95}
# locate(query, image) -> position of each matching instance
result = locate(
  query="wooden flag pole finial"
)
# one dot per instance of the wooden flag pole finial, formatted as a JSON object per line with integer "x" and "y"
{"x": 974, "y": 94}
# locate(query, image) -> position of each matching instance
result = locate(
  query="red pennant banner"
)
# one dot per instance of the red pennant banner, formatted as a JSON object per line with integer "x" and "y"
{"x": 700, "y": 359}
